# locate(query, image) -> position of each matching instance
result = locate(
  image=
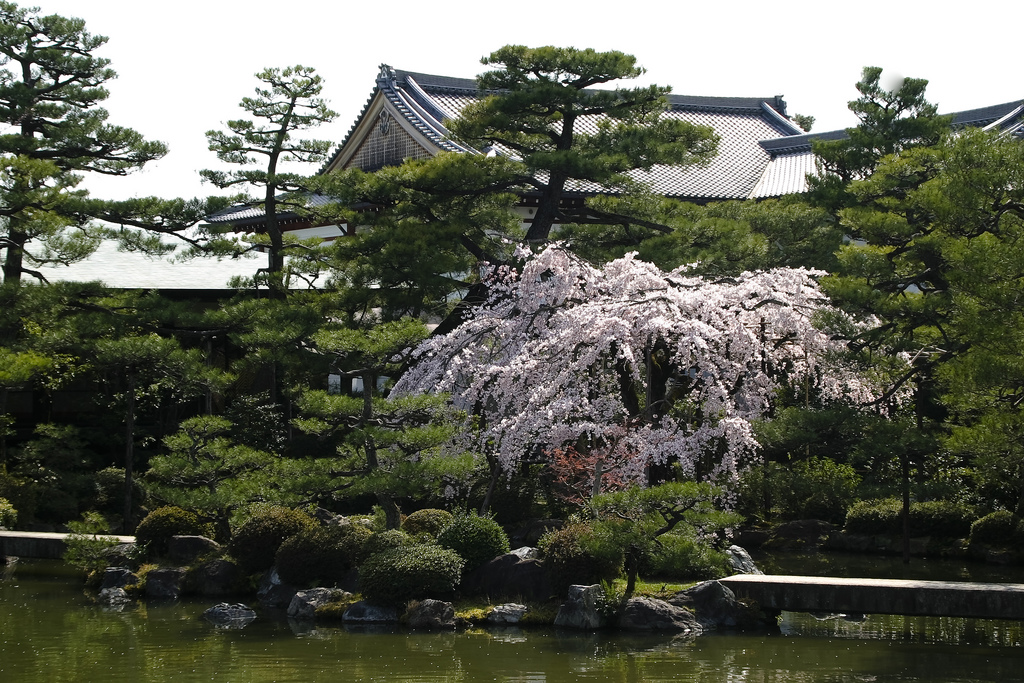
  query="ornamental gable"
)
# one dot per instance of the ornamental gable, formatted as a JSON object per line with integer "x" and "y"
{"x": 386, "y": 144}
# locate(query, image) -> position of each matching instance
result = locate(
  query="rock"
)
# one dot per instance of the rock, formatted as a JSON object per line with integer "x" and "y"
{"x": 184, "y": 550}
{"x": 716, "y": 606}
{"x": 216, "y": 577}
{"x": 364, "y": 613}
{"x": 510, "y": 575}
{"x": 648, "y": 614}
{"x": 165, "y": 583}
{"x": 117, "y": 577}
{"x": 529, "y": 534}
{"x": 304, "y": 604}
{"x": 326, "y": 516}
{"x": 113, "y": 597}
{"x": 527, "y": 553}
{"x": 227, "y": 616}
{"x": 509, "y": 613}
{"x": 740, "y": 561}
{"x": 273, "y": 592}
{"x": 123, "y": 555}
{"x": 580, "y": 610}
{"x": 431, "y": 615}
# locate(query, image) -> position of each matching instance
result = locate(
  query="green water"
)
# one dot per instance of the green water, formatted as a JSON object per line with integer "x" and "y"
{"x": 50, "y": 631}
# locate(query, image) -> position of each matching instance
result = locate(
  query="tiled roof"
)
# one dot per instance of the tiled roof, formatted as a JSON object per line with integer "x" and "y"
{"x": 241, "y": 215}
{"x": 427, "y": 101}
{"x": 132, "y": 270}
{"x": 792, "y": 159}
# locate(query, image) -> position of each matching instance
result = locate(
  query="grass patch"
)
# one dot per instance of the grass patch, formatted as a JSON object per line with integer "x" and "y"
{"x": 537, "y": 613}
{"x": 661, "y": 590}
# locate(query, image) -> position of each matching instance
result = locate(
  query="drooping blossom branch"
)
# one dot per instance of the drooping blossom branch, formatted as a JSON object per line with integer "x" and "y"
{"x": 564, "y": 354}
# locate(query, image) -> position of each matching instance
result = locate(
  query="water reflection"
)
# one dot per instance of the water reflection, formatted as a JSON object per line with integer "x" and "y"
{"x": 49, "y": 631}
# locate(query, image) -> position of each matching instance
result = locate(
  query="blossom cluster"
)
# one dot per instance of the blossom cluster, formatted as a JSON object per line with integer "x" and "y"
{"x": 668, "y": 367}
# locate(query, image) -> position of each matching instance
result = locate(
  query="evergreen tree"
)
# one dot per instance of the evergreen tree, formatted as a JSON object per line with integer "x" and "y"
{"x": 542, "y": 107}
{"x": 288, "y": 101}
{"x": 50, "y": 87}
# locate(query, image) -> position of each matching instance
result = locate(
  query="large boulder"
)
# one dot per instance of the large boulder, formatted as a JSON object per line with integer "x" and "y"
{"x": 165, "y": 583}
{"x": 304, "y": 604}
{"x": 741, "y": 562}
{"x": 273, "y": 592}
{"x": 364, "y": 613}
{"x": 509, "y": 613}
{"x": 515, "y": 574}
{"x": 431, "y": 615}
{"x": 648, "y": 614}
{"x": 582, "y": 609}
{"x": 229, "y": 616}
{"x": 184, "y": 550}
{"x": 216, "y": 577}
{"x": 122, "y": 555}
{"x": 118, "y": 577}
{"x": 716, "y": 606}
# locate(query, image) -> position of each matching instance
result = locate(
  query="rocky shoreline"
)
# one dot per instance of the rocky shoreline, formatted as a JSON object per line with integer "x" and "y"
{"x": 688, "y": 613}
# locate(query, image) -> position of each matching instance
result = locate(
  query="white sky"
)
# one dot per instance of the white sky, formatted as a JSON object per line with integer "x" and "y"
{"x": 184, "y": 65}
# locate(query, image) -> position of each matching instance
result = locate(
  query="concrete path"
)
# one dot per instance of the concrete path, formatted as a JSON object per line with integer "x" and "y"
{"x": 881, "y": 596}
{"x": 40, "y": 544}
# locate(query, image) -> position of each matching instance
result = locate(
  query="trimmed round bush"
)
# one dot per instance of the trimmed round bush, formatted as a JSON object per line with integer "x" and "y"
{"x": 412, "y": 572}
{"x": 255, "y": 543}
{"x": 1001, "y": 529}
{"x": 476, "y": 539}
{"x": 430, "y": 522}
{"x": 571, "y": 556}
{"x": 939, "y": 518}
{"x": 386, "y": 540}
{"x": 170, "y": 520}
{"x": 320, "y": 555}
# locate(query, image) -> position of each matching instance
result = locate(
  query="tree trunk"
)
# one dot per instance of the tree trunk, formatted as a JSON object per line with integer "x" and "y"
{"x": 485, "y": 506}
{"x": 129, "y": 454}
{"x": 632, "y": 569}
{"x": 15, "y": 256}
{"x": 905, "y": 514}
{"x": 547, "y": 211}
{"x": 392, "y": 513}
{"x": 3, "y": 429}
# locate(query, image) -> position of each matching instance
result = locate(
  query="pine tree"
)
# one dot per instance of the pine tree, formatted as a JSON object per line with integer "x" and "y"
{"x": 288, "y": 101}
{"x": 50, "y": 86}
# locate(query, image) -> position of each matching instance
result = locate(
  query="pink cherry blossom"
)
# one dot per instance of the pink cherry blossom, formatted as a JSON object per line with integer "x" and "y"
{"x": 668, "y": 367}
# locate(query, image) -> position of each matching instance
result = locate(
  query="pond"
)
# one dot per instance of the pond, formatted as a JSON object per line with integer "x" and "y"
{"x": 50, "y": 631}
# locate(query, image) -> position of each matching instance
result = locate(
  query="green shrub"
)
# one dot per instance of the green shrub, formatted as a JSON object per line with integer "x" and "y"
{"x": 8, "y": 515}
{"x": 386, "y": 540}
{"x": 476, "y": 539}
{"x": 255, "y": 543}
{"x": 681, "y": 558}
{"x": 816, "y": 488}
{"x": 321, "y": 555}
{"x": 939, "y": 518}
{"x": 160, "y": 524}
{"x": 87, "y": 547}
{"x": 430, "y": 522}
{"x": 874, "y": 517}
{"x": 1001, "y": 528}
{"x": 574, "y": 555}
{"x": 395, "y": 576}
